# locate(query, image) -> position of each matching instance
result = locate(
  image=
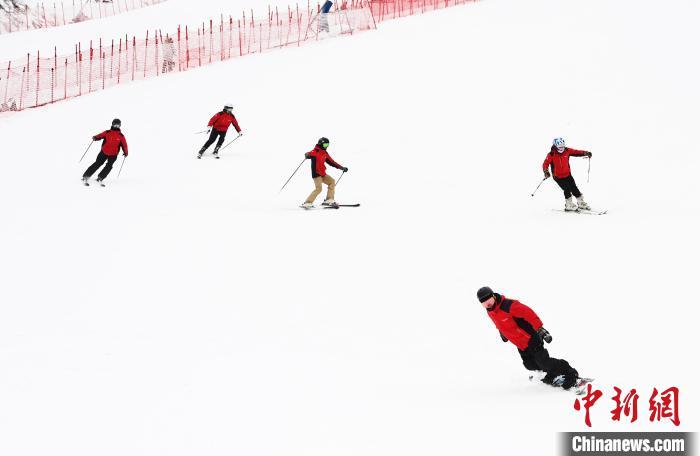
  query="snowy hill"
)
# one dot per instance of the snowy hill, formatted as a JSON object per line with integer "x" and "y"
{"x": 188, "y": 308}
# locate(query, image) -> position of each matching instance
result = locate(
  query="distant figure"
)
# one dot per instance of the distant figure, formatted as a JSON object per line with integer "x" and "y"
{"x": 112, "y": 141}
{"x": 219, "y": 126}
{"x": 558, "y": 160}
{"x": 520, "y": 325}
{"x": 319, "y": 156}
{"x": 169, "y": 54}
{"x": 323, "y": 17}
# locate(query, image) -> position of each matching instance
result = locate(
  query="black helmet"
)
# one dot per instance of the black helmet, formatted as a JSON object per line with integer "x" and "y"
{"x": 484, "y": 294}
{"x": 323, "y": 142}
{"x": 116, "y": 123}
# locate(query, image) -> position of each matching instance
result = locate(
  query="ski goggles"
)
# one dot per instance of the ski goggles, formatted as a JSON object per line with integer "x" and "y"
{"x": 325, "y": 145}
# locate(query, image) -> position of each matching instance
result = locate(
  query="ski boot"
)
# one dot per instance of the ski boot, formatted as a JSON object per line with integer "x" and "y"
{"x": 216, "y": 153}
{"x": 101, "y": 182}
{"x": 330, "y": 202}
{"x": 582, "y": 205}
{"x": 307, "y": 206}
{"x": 85, "y": 181}
{"x": 570, "y": 206}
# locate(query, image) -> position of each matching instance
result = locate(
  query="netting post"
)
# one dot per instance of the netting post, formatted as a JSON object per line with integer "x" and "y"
{"x": 187, "y": 47}
{"x": 90, "y": 71}
{"x": 211, "y": 38}
{"x": 145, "y": 56}
{"x": 133, "y": 56}
{"x": 119, "y": 63}
{"x": 38, "y": 78}
{"x": 179, "y": 58}
{"x": 65, "y": 80}
{"x": 102, "y": 59}
{"x": 7, "y": 80}
{"x": 21, "y": 89}
{"x": 240, "y": 39}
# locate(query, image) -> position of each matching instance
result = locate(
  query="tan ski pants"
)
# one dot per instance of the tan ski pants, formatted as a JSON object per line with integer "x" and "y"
{"x": 329, "y": 181}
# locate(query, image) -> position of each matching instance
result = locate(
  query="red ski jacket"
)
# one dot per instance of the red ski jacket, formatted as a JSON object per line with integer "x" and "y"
{"x": 560, "y": 161}
{"x": 112, "y": 140}
{"x": 222, "y": 120}
{"x": 319, "y": 157}
{"x": 516, "y": 321}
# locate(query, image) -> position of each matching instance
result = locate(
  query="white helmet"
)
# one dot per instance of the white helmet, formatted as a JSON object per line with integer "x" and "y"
{"x": 559, "y": 144}
{"x": 228, "y": 106}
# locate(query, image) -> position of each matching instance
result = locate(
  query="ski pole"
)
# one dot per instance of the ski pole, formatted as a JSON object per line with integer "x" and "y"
{"x": 538, "y": 187}
{"x": 341, "y": 176}
{"x": 290, "y": 177}
{"x": 200, "y": 132}
{"x": 122, "y": 166}
{"x": 229, "y": 143}
{"x": 86, "y": 150}
{"x": 589, "y": 170}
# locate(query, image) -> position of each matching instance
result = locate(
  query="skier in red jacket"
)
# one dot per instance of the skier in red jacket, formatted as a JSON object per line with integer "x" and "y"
{"x": 219, "y": 126}
{"x": 521, "y": 326}
{"x": 319, "y": 157}
{"x": 112, "y": 141}
{"x": 558, "y": 160}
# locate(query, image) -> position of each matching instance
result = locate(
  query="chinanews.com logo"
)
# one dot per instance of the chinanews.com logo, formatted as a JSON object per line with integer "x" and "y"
{"x": 626, "y": 443}
{"x": 663, "y": 405}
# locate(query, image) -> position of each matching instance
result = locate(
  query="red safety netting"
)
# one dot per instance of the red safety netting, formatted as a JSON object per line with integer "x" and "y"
{"x": 391, "y": 9}
{"x": 63, "y": 12}
{"x": 39, "y": 80}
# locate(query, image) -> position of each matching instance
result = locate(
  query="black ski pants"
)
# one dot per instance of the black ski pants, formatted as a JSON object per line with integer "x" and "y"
{"x": 568, "y": 184}
{"x": 212, "y": 137}
{"x": 101, "y": 158}
{"x": 536, "y": 357}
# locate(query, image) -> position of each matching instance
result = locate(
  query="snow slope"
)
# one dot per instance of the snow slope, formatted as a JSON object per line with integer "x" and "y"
{"x": 189, "y": 308}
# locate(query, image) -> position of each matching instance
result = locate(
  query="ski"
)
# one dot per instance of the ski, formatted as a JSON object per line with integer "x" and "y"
{"x": 581, "y": 211}
{"x": 334, "y": 206}
{"x": 315, "y": 208}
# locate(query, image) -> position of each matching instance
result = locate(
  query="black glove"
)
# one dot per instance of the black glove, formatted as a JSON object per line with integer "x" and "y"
{"x": 94, "y": 138}
{"x": 306, "y": 155}
{"x": 589, "y": 154}
{"x": 345, "y": 170}
{"x": 544, "y": 335}
{"x": 547, "y": 175}
{"x": 503, "y": 338}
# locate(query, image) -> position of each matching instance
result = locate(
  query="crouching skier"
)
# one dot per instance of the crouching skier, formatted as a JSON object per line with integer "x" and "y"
{"x": 521, "y": 326}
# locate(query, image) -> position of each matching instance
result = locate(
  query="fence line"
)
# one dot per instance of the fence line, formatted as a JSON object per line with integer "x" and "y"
{"x": 22, "y": 18}
{"x": 39, "y": 80}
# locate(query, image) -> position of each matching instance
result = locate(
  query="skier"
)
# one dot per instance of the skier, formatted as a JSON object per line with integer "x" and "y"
{"x": 558, "y": 159}
{"x": 319, "y": 156}
{"x": 218, "y": 125}
{"x": 323, "y": 21}
{"x": 112, "y": 140}
{"x": 169, "y": 54}
{"x": 520, "y": 325}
